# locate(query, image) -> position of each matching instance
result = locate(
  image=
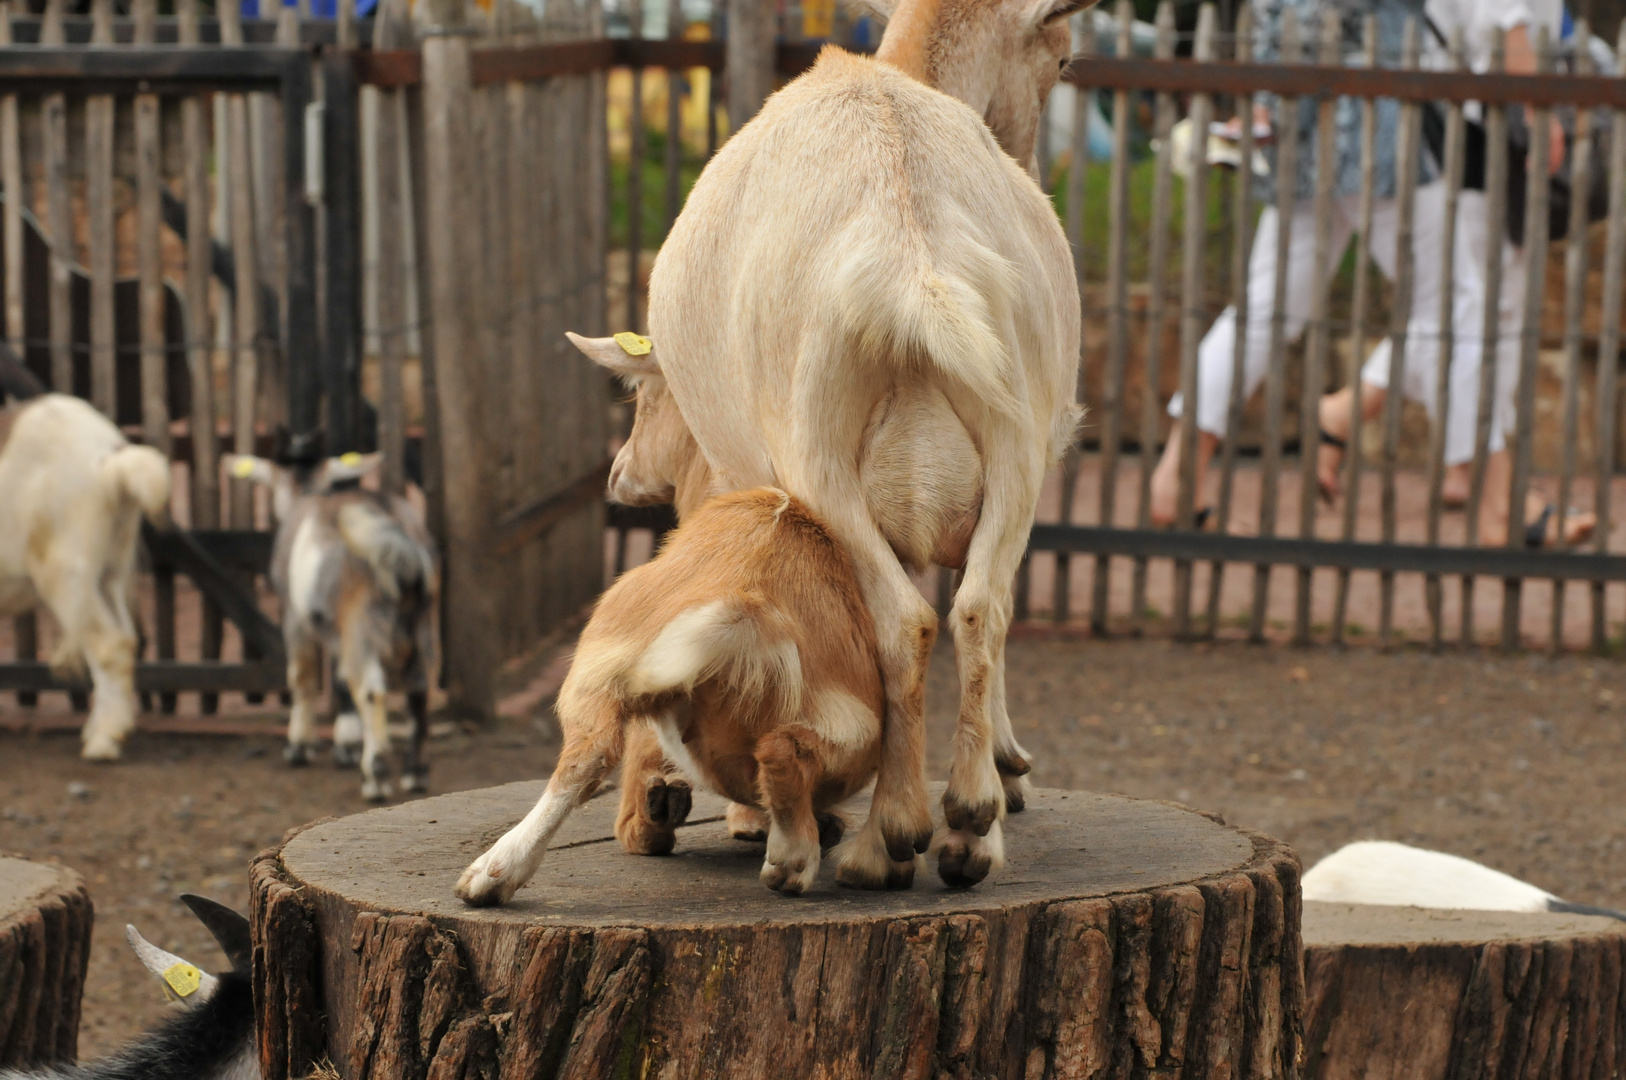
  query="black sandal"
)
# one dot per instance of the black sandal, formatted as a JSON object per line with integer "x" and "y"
{"x": 1335, "y": 441}
{"x": 1535, "y": 533}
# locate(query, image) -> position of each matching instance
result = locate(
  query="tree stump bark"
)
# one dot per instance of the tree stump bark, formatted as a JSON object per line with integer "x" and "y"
{"x": 45, "y": 921}
{"x": 1123, "y": 937}
{"x": 1420, "y": 993}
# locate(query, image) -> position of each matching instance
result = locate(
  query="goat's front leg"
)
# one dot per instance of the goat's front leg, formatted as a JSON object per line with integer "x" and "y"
{"x": 787, "y": 770}
{"x": 110, "y": 654}
{"x": 590, "y": 752}
{"x": 347, "y": 733}
{"x": 1012, "y": 761}
{"x": 654, "y": 799}
{"x": 415, "y": 769}
{"x": 305, "y": 682}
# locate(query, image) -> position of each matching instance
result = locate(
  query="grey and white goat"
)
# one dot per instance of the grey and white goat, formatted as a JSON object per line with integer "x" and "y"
{"x": 356, "y": 572}
{"x": 211, "y": 1035}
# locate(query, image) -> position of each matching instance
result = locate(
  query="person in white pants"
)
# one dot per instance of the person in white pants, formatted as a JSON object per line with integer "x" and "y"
{"x": 1474, "y": 234}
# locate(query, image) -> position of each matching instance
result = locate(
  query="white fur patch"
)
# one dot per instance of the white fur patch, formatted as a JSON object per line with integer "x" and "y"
{"x": 844, "y": 721}
{"x": 670, "y": 735}
{"x": 304, "y": 567}
{"x": 714, "y": 640}
{"x": 1384, "y": 872}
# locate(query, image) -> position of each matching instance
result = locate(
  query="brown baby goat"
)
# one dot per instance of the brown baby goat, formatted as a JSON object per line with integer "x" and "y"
{"x": 745, "y": 646}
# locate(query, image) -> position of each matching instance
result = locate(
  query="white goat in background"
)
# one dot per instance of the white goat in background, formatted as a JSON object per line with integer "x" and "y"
{"x": 356, "y": 573}
{"x": 866, "y": 233}
{"x": 1387, "y": 873}
{"x": 73, "y": 491}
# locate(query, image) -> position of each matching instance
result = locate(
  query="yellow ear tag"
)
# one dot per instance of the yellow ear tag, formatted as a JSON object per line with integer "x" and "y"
{"x": 183, "y": 978}
{"x": 350, "y": 460}
{"x": 243, "y": 468}
{"x": 634, "y": 344}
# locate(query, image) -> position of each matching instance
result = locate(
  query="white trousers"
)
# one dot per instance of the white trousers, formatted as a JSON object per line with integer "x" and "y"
{"x": 1473, "y": 237}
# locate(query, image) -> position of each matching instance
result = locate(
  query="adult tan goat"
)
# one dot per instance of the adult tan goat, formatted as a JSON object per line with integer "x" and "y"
{"x": 744, "y": 648}
{"x": 865, "y": 233}
{"x": 73, "y": 492}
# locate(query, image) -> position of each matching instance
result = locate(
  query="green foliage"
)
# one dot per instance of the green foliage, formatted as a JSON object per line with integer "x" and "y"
{"x": 653, "y": 219}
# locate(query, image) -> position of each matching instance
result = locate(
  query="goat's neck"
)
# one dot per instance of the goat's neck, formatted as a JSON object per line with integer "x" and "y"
{"x": 906, "y": 45}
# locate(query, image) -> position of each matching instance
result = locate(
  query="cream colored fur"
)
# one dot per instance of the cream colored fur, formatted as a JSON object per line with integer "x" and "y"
{"x": 72, "y": 494}
{"x": 866, "y": 233}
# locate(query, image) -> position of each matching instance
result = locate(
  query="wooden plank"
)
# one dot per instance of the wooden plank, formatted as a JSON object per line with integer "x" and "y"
{"x": 1535, "y": 281}
{"x": 1276, "y": 373}
{"x": 1062, "y": 584}
{"x": 24, "y": 633}
{"x": 195, "y": 153}
{"x": 473, "y": 637}
{"x": 1575, "y": 270}
{"x": 341, "y": 205}
{"x": 1151, "y": 420}
{"x": 167, "y": 677}
{"x": 1242, "y": 244}
{"x": 1319, "y": 344}
{"x": 1415, "y": 85}
{"x": 1193, "y": 321}
{"x": 1400, "y": 316}
{"x": 296, "y": 225}
{"x": 675, "y": 81}
{"x": 149, "y": 254}
{"x": 388, "y": 196}
{"x": 635, "y": 186}
{"x": 99, "y": 227}
{"x": 1496, "y": 165}
{"x": 59, "y": 217}
{"x": 246, "y": 292}
{"x": 1455, "y": 133}
{"x": 1112, "y": 404}
{"x": 750, "y": 57}
{"x": 1606, "y": 391}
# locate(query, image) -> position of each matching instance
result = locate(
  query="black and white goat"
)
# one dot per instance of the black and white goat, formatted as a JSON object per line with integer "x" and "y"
{"x": 1387, "y": 873}
{"x": 356, "y": 573}
{"x": 210, "y": 1037}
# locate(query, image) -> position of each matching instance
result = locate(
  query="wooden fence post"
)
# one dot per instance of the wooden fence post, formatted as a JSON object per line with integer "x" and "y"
{"x": 750, "y": 58}
{"x": 472, "y": 633}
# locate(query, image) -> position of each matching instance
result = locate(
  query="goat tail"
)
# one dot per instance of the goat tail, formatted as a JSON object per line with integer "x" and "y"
{"x": 944, "y": 308}
{"x": 738, "y": 641}
{"x": 140, "y": 474}
{"x": 397, "y": 561}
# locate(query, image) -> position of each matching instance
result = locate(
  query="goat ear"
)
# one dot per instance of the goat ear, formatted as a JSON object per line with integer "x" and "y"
{"x": 612, "y": 352}
{"x": 249, "y": 467}
{"x": 881, "y": 8}
{"x": 1045, "y": 12}
{"x": 182, "y": 981}
{"x": 351, "y": 466}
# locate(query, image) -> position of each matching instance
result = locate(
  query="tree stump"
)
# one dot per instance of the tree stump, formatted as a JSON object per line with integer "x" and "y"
{"x": 45, "y": 921}
{"x": 1419, "y": 993}
{"x": 1124, "y": 936}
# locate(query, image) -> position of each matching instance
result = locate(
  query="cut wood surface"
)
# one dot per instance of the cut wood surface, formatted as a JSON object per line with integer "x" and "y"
{"x": 1123, "y": 936}
{"x": 45, "y": 920}
{"x": 1417, "y": 993}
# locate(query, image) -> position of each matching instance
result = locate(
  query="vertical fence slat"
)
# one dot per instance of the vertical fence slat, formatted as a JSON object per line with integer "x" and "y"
{"x": 11, "y": 175}
{"x": 1359, "y": 303}
{"x": 1083, "y": 101}
{"x": 59, "y": 215}
{"x": 99, "y": 226}
{"x": 1192, "y": 316}
{"x": 674, "y": 121}
{"x": 1112, "y": 403}
{"x": 1276, "y": 375}
{"x": 149, "y": 254}
{"x": 1320, "y": 337}
{"x": 388, "y": 33}
{"x": 1575, "y": 270}
{"x": 1151, "y": 395}
{"x": 1535, "y": 252}
{"x": 1399, "y": 316}
{"x": 246, "y": 285}
{"x": 1242, "y": 239}
{"x": 1496, "y": 166}
{"x": 635, "y": 179}
{"x": 341, "y": 228}
{"x": 1455, "y": 133}
{"x": 1614, "y": 270}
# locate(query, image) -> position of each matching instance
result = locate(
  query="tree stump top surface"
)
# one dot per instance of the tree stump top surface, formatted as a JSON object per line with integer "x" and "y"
{"x": 25, "y": 885}
{"x": 1329, "y": 925}
{"x": 1066, "y": 845}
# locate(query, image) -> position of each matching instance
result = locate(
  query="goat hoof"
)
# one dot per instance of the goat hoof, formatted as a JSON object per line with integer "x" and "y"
{"x": 1016, "y": 793}
{"x": 831, "y": 829}
{"x": 1012, "y": 763}
{"x": 477, "y": 888}
{"x": 375, "y": 790}
{"x": 668, "y": 801}
{"x": 977, "y": 817}
{"x": 786, "y": 879}
{"x": 415, "y": 780}
{"x": 296, "y": 754}
{"x": 965, "y": 858}
{"x": 746, "y": 822}
{"x": 101, "y": 748}
{"x": 346, "y": 755}
{"x": 903, "y": 843}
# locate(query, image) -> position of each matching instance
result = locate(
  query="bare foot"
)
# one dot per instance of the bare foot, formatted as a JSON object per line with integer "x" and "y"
{"x": 1454, "y": 487}
{"x": 1329, "y": 456}
{"x": 1165, "y": 496}
{"x": 1578, "y": 524}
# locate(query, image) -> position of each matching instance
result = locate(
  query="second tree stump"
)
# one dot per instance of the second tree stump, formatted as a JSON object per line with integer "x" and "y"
{"x": 1124, "y": 936}
{"x": 45, "y": 922}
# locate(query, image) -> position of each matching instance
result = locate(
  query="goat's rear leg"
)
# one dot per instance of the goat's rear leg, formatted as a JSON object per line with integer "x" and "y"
{"x": 347, "y": 733}
{"x": 1013, "y": 762}
{"x": 305, "y": 681}
{"x": 590, "y": 752}
{"x": 415, "y": 769}
{"x": 744, "y": 822}
{"x": 654, "y": 799}
{"x": 787, "y": 769}
{"x": 93, "y": 625}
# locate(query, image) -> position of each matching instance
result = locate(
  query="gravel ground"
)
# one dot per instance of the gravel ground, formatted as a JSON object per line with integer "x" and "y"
{"x": 1507, "y": 759}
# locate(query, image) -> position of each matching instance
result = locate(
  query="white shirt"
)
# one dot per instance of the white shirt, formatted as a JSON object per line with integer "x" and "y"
{"x": 1477, "y": 18}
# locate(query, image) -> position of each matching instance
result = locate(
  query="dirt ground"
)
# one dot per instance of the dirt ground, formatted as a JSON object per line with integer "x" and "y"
{"x": 1509, "y": 760}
